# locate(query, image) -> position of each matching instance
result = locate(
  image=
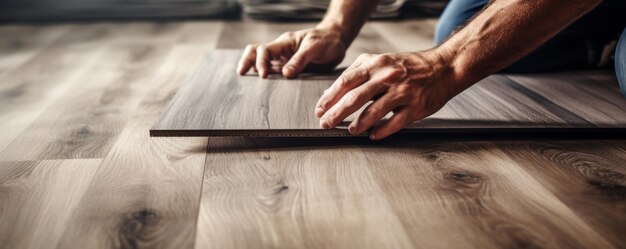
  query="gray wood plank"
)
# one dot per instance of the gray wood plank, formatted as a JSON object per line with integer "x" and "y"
{"x": 145, "y": 194}
{"x": 215, "y": 101}
{"x": 85, "y": 122}
{"x": 39, "y": 198}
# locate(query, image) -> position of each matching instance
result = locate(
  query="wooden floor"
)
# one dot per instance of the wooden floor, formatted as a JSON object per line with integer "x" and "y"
{"x": 79, "y": 170}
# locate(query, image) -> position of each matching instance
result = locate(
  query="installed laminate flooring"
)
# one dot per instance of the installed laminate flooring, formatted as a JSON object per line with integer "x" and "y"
{"x": 78, "y": 168}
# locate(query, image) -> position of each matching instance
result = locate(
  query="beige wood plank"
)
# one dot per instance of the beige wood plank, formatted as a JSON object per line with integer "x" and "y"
{"x": 85, "y": 122}
{"x": 272, "y": 193}
{"x": 19, "y": 43}
{"x": 28, "y": 90}
{"x": 472, "y": 194}
{"x": 167, "y": 33}
{"x": 592, "y": 100}
{"x": 236, "y": 35}
{"x": 408, "y": 35}
{"x": 588, "y": 176}
{"x": 146, "y": 192}
{"x": 369, "y": 41}
{"x": 39, "y": 198}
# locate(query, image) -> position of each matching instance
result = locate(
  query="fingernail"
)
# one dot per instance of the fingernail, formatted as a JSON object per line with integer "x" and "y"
{"x": 324, "y": 124}
{"x": 319, "y": 111}
{"x": 286, "y": 72}
{"x": 352, "y": 129}
{"x": 290, "y": 69}
{"x": 372, "y": 137}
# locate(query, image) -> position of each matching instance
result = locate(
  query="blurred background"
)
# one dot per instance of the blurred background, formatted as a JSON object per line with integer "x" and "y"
{"x": 74, "y": 10}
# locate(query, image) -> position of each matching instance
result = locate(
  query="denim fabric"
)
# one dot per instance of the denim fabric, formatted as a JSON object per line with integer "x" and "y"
{"x": 620, "y": 62}
{"x": 577, "y": 47}
{"x": 456, "y": 13}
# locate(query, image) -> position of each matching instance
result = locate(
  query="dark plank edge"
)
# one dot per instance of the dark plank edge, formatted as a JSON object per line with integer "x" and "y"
{"x": 578, "y": 132}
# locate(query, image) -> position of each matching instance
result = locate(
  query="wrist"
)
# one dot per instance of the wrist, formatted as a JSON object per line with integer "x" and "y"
{"x": 336, "y": 27}
{"x": 449, "y": 79}
{"x": 453, "y": 66}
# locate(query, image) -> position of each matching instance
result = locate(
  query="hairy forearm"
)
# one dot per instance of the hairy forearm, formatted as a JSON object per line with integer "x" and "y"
{"x": 504, "y": 32}
{"x": 347, "y": 17}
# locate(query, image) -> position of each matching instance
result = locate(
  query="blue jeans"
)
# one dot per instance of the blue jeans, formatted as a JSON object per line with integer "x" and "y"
{"x": 620, "y": 62}
{"x": 579, "y": 46}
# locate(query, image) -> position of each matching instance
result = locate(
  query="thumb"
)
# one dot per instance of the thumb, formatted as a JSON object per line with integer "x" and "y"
{"x": 298, "y": 62}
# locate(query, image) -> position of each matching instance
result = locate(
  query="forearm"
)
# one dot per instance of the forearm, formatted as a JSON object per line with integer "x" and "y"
{"x": 347, "y": 17}
{"x": 503, "y": 33}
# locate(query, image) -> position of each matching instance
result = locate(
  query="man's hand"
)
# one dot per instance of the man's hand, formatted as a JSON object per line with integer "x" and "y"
{"x": 292, "y": 52}
{"x": 411, "y": 85}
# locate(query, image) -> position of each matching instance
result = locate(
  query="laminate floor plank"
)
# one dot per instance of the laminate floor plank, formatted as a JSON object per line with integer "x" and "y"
{"x": 29, "y": 89}
{"x": 370, "y": 41}
{"x": 284, "y": 107}
{"x": 588, "y": 176}
{"x": 167, "y": 33}
{"x": 268, "y": 193}
{"x": 19, "y": 43}
{"x": 408, "y": 35}
{"x": 475, "y": 192}
{"x": 85, "y": 122}
{"x": 146, "y": 191}
{"x": 39, "y": 198}
{"x": 236, "y": 35}
{"x": 589, "y": 99}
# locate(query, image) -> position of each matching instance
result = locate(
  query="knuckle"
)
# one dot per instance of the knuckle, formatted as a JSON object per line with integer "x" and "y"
{"x": 402, "y": 97}
{"x": 352, "y": 99}
{"x": 375, "y": 112}
{"x": 365, "y": 55}
{"x": 403, "y": 89}
{"x": 250, "y": 48}
{"x": 398, "y": 71}
{"x": 382, "y": 59}
{"x": 392, "y": 74}
{"x": 342, "y": 82}
{"x": 300, "y": 58}
{"x": 295, "y": 63}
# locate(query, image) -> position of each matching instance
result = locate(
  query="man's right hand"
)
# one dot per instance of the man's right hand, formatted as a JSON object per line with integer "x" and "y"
{"x": 293, "y": 52}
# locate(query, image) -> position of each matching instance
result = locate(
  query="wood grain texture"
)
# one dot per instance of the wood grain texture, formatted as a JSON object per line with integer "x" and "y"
{"x": 589, "y": 179}
{"x": 40, "y": 81}
{"x": 270, "y": 193}
{"x": 216, "y": 101}
{"x": 39, "y": 198}
{"x": 492, "y": 201}
{"x": 156, "y": 181}
{"x": 86, "y": 121}
{"x": 266, "y": 193}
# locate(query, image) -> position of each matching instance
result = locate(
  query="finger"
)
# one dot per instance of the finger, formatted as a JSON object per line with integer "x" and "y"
{"x": 298, "y": 61}
{"x": 262, "y": 60}
{"x": 375, "y": 112}
{"x": 347, "y": 81}
{"x": 275, "y": 69}
{"x": 247, "y": 59}
{"x": 399, "y": 120}
{"x": 350, "y": 103}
